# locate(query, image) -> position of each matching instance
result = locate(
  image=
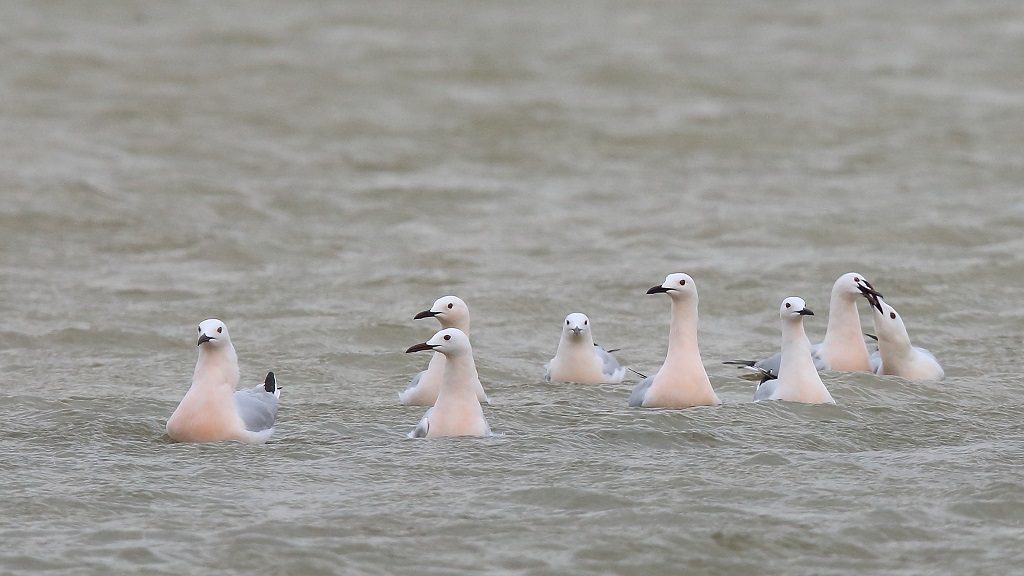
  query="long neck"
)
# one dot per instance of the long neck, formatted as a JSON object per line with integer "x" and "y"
{"x": 843, "y": 318}
{"x": 796, "y": 348}
{"x": 216, "y": 367}
{"x": 843, "y": 347}
{"x": 682, "y": 333}
{"x": 458, "y": 322}
{"x": 458, "y": 377}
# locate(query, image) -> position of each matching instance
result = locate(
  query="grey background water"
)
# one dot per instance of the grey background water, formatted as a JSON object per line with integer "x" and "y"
{"x": 315, "y": 173}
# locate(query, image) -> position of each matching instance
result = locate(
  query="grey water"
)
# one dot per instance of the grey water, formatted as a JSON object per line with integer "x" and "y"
{"x": 316, "y": 173}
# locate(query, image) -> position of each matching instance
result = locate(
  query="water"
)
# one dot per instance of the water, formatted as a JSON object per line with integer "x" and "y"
{"x": 315, "y": 173}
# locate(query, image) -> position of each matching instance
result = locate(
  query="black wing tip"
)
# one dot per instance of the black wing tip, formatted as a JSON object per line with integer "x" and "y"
{"x": 741, "y": 363}
{"x": 640, "y": 374}
{"x": 270, "y": 384}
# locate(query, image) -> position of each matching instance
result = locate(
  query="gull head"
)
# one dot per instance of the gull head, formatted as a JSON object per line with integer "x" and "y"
{"x": 679, "y": 286}
{"x": 447, "y": 341}
{"x": 855, "y": 284}
{"x": 794, "y": 308}
{"x": 213, "y": 333}
{"x": 450, "y": 311}
{"x": 576, "y": 325}
{"x": 888, "y": 323}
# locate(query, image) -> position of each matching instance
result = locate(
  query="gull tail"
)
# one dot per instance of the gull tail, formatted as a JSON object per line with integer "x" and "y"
{"x": 270, "y": 385}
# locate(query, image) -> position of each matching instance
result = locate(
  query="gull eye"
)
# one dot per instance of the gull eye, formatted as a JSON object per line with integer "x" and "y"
{"x": 682, "y": 282}
{"x": 220, "y": 329}
{"x": 892, "y": 315}
{"x": 585, "y": 322}
{"x": 447, "y": 336}
{"x": 200, "y": 328}
{"x": 450, "y": 305}
{"x": 857, "y": 280}
{"x": 788, "y": 305}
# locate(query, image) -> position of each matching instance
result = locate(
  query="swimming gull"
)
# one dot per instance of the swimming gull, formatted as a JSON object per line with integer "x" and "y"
{"x": 450, "y": 312}
{"x": 457, "y": 411}
{"x": 798, "y": 379}
{"x": 896, "y": 356}
{"x": 578, "y": 359}
{"x": 212, "y": 409}
{"x": 843, "y": 348}
{"x": 681, "y": 382}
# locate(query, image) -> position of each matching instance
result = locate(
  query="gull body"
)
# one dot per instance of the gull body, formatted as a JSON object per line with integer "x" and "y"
{"x": 681, "y": 382}
{"x": 896, "y": 356}
{"x": 843, "y": 348}
{"x": 457, "y": 411}
{"x": 450, "y": 312}
{"x": 578, "y": 359}
{"x": 212, "y": 409}
{"x": 798, "y": 379}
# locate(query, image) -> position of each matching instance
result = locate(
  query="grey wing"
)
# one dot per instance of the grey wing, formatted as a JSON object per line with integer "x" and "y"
{"x": 547, "y": 371}
{"x": 609, "y": 365}
{"x": 819, "y": 362}
{"x": 256, "y": 407}
{"x": 637, "y": 397}
{"x": 876, "y": 361}
{"x": 415, "y": 380}
{"x": 927, "y": 353}
{"x": 771, "y": 363}
{"x": 420, "y": 431}
{"x": 765, "y": 390}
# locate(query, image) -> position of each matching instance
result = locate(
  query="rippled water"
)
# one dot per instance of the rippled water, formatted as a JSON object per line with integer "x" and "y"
{"x": 315, "y": 173}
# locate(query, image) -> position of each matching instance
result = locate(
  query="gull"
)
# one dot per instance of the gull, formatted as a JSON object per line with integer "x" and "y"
{"x": 450, "y": 312}
{"x": 457, "y": 411}
{"x": 843, "y": 348}
{"x": 896, "y": 356}
{"x": 681, "y": 382}
{"x": 578, "y": 359}
{"x": 212, "y": 409}
{"x": 798, "y": 379}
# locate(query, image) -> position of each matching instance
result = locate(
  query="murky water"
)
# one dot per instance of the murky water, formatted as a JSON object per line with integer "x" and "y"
{"x": 315, "y": 173}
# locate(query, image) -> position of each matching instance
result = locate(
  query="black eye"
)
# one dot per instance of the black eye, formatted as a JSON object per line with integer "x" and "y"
{"x": 566, "y": 322}
{"x": 585, "y": 322}
{"x": 200, "y": 328}
{"x": 447, "y": 336}
{"x": 220, "y": 329}
{"x": 450, "y": 305}
{"x": 892, "y": 315}
{"x": 855, "y": 279}
{"x": 788, "y": 305}
{"x": 682, "y": 282}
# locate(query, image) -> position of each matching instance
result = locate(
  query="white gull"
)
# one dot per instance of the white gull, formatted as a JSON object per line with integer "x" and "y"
{"x": 798, "y": 379}
{"x": 457, "y": 411}
{"x": 212, "y": 409}
{"x": 896, "y": 356}
{"x": 578, "y": 359}
{"x": 681, "y": 382}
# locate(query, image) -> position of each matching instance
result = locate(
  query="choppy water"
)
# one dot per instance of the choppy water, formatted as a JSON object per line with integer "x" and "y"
{"x": 315, "y": 173}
